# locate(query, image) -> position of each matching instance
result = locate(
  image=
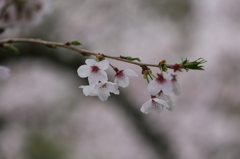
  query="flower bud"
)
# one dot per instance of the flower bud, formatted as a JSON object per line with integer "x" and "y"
{"x": 162, "y": 66}
{"x": 177, "y": 67}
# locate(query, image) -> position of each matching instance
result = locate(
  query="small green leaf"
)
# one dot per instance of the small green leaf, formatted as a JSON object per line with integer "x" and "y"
{"x": 194, "y": 65}
{"x": 11, "y": 48}
{"x": 75, "y": 42}
{"x": 132, "y": 58}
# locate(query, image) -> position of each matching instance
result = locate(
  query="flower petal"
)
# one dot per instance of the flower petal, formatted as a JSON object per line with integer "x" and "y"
{"x": 84, "y": 71}
{"x": 176, "y": 88}
{"x": 103, "y": 94}
{"x": 154, "y": 87}
{"x": 169, "y": 77}
{"x": 93, "y": 79}
{"x": 112, "y": 87}
{"x": 167, "y": 87}
{"x": 89, "y": 90}
{"x": 91, "y": 62}
{"x": 158, "y": 109}
{"x": 102, "y": 76}
{"x": 171, "y": 105}
{"x": 116, "y": 80}
{"x": 103, "y": 65}
{"x": 122, "y": 81}
{"x": 161, "y": 102}
{"x": 167, "y": 99}
{"x": 146, "y": 107}
{"x": 129, "y": 72}
{"x": 162, "y": 96}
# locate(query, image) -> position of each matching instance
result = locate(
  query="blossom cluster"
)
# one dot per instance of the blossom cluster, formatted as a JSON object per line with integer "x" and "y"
{"x": 98, "y": 79}
{"x": 160, "y": 88}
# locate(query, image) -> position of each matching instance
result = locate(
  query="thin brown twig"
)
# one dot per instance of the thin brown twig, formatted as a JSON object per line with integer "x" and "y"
{"x": 81, "y": 51}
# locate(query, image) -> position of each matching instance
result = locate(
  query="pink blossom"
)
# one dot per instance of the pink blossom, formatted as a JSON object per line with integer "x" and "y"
{"x": 102, "y": 90}
{"x": 121, "y": 78}
{"x": 175, "y": 85}
{"x": 153, "y": 104}
{"x": 94, "y": 71}
{"x": 167, "y": 99}
{"x": 160, "y": 84}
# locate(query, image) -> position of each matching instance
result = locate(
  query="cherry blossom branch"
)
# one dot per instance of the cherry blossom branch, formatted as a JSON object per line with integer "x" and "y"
{"x": 81, "y": 51}
{"x": 159, "y": 87}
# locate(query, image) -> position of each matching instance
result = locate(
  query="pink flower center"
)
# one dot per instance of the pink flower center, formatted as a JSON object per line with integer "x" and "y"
{"x": 160, "y": 93}
{"x": 103, "y": 87}
{"x": 177, "y": 67}
{"x": 154, "y": 104}
{"x": 160, "y": 78}
{"x": 94, "y": 69}
{"x": 119, "y": 74}
{"x": 174, "y": 77}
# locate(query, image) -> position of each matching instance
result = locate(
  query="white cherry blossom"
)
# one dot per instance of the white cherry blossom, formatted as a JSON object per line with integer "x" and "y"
{"x": 121, "y": 78}
{"x": 175, "y": 85}
{"x": 4, "y": 72}
{"x": 94, "y": 71}
{"x": 160, "y": 84}
{"x": 153, "y": 104}
{"x": 102, "y": 90}
{"x": 89, "y": 90}
{"x": 167, "y": 99}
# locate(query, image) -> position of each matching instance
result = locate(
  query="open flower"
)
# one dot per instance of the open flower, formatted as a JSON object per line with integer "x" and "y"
{"x": 102, "y": 90}
{"x": 153, "y": 104}
{"x": 160, "y": 84}
{"x": 175, "y": 85}
{"x": 121, "y": 78}
{"x": 4, "y": 72}
{"x": 89, "y": 90}
{"x": 94, "y": 71}
{"x": 167, "y": 99}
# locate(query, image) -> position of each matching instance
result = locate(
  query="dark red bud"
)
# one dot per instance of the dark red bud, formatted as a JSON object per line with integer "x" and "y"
{"x": 177, "y": 67}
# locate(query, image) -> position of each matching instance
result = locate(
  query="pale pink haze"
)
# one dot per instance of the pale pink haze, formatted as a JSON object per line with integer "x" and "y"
{"x": 160, "y": 84}
{"x": 102, "y": 90}
{"x": 94, "y": 71}
{"x": 153, "y": 104}
{"x": 4, "y": 72}
{"x": 121, "y": 77}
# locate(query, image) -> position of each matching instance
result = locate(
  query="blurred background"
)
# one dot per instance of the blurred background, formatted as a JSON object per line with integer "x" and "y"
{"x": 44, "y": 115}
